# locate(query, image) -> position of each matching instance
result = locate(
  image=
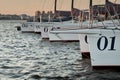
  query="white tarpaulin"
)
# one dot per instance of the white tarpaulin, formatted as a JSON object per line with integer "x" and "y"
{"x": 115, "y": 1}
{"x": 85, "y": 4}
{"x": 81, "y": 4}
{"x": 64, "y": 5}
{"x": 98, "y": 2}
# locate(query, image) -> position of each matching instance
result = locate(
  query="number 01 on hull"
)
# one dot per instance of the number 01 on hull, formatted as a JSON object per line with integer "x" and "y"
{"x": 104, "y": 47}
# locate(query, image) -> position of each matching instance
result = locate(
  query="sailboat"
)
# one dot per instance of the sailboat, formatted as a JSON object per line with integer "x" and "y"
{"x": 45, "y": 31}
{"x": 103, "y": 41}
{"x": 65, "y": 25}
{"x": 46, "y": 27}
{"x": 82, "y": 38}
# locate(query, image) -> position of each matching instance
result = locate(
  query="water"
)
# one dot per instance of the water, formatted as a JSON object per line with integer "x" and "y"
{"x": 25, "y": 56}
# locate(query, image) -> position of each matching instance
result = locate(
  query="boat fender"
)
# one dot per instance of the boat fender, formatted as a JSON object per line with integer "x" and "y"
{"x": 18, "y": 28}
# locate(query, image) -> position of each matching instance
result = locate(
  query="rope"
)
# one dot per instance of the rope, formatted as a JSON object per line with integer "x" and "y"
{"x": 116, "y": 12}
{"x": 110, "y": 16}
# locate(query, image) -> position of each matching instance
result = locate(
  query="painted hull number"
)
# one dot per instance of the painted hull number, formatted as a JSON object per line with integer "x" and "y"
{"x": 45, "y": 29}
{"x": 103, "y": 40}
{"x": 86, "y": 39}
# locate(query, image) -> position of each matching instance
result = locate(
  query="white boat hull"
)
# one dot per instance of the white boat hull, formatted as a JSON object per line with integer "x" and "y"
{"x": 73, "y": 35}
{"x": 104, "y": 47}
{"x": 83, "y": 40}
{"x": 30, "y": 27}
{"x": 59, "y": 35}
{"x": 45, "y": 30}
{"x": 63, "y": 37}
{"x": 37, "y": 29}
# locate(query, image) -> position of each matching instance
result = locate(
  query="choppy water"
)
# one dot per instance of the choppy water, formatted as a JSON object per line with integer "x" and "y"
{"x": 24, "y": 56}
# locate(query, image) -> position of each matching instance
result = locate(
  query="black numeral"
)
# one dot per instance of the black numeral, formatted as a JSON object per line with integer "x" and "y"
{"x": 45, "y": 29}
{"x": 105, "y": 44}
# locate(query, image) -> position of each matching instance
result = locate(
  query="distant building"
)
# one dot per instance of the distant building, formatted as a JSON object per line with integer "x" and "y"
{"x": 9, "y": 17}
{"x": 24, "y": 17}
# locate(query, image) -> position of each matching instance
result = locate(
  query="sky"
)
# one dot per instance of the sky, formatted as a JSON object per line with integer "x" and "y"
{"x": 30, "y": 6}
{"x": 25, "y": 6}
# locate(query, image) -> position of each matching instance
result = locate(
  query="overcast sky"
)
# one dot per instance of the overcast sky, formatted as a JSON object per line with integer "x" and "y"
{"x": 30, "y": 6}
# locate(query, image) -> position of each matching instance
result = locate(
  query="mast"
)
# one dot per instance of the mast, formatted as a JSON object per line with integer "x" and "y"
{"x": 90, "y": 14}
{"x": 55, "y": 5}
{"x": 72, "y": 4}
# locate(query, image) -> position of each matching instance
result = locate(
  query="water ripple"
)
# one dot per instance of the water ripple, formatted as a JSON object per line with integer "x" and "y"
{"x": 24, "y": 56}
